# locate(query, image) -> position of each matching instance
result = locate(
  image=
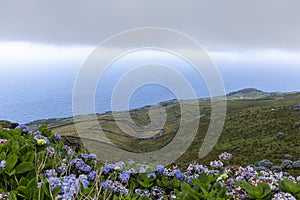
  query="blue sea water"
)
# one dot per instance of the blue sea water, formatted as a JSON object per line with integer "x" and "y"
{"x": 31, "y": 92}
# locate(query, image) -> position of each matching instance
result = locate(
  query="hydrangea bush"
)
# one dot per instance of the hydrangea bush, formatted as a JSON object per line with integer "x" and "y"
{"x": 38, "y": 165}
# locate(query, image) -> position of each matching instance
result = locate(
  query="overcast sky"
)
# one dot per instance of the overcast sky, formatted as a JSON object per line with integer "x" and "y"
{"x": 217, "y": 25}
{"x": 71, "y": 29}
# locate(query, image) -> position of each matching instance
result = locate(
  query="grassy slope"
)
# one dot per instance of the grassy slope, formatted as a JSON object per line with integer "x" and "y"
{"x": 249, "y": 132}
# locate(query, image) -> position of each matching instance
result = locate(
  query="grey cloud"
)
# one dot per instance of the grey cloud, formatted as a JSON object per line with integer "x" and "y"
{"x": 217, "y": 25}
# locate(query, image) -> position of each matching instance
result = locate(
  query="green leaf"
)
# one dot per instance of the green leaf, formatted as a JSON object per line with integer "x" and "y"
{"x": 289, "y": 186}
{"x": 45, "y": 188}
{"x": 14, "y": 145}
{"x": 22, "y": 189}
{"x": 12, "y": 172}
{"x": 23, "y": 181}
{"x": 86, "y": 191}
{"x": 56, "y": 191}
{"x": 32, "y": 184}
{"x": 12, "y": 196}
{"x": 11, "y": 161}
{"x": 2, "y": 155}
{"x": 24, "y": 167}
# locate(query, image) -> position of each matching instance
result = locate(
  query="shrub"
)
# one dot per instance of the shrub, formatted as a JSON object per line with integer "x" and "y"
{"x": 297, "y": 125}
{"x": 38, "y": 165}
{"x": 296, "y": 164}
{"x": 287, "y": 164}
{"x": 264, "y": 163}
{"x": 280, "y": 135}
{"x": 276, "y": 168}
{"x": 288, "y": 156}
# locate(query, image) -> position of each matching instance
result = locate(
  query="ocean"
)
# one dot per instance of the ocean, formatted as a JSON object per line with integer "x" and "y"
{"x": 32, "y": 92}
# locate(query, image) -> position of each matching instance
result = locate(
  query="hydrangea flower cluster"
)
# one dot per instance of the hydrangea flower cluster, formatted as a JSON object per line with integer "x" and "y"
{"x": 115, "y": 187}
{"x": 40, "y": 139}
{"x": 50, "y": 151}
{"x": 70, "y": 185}
{"x": 2, "y": 164}
{"x": 75, "y": 174}
{"x": 225, "y": 156}
{"x": 216, "y": 164}
{"x": 22, "y": 127}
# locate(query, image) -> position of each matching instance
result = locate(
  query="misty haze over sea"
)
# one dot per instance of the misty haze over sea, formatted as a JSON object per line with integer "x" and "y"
{"x": 29, "y": 93}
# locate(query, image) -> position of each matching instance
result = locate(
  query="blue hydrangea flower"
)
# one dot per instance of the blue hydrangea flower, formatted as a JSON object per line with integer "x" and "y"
{"x": 57, "y": 137}
{"x": 124, "y": 176}
{"x": 115, "y": 187}
{"x": 130, "y": 163}
{"x": 84, "y": 168}
{"x": 107, "y": 184}
{"x": 22, "y": 127}
{"x": 50, "y": 173}
{"x": 225, "y": 156}
{"x": 83, "y": 179}
{"x": 108, "y": 168}
{"x": 216, "y": 164}
{"x": 54, "y": 182}
{"x": 178, "y": 174}
{"x": 62, "y": 169}
{"x": 50, "y": 151}
{"x": 41, "y": 137}
{"x": 77, "y": 162}
{"x": 160, "y": 169}
{"x": 92, "y": 156}
{"x": 85, "y": 156}
{"x": 119, "y": 165}
{"x": 143, "y": 169}
{"x": 68, "y": 149}
{"x": 2, "y": 164}
{"x": 92, "y": 175}
{"x": 150, "y": 175}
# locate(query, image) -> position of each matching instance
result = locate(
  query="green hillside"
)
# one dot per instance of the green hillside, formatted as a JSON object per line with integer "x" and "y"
{"x": 249, "y": 132}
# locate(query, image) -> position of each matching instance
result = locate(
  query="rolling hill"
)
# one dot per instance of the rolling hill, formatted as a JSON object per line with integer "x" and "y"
{"x": 253, "y": 119}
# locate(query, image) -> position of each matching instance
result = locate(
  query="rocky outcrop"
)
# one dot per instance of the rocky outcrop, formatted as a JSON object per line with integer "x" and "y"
{"x": 8, "y": 124}
{"x": 297, "y": 107}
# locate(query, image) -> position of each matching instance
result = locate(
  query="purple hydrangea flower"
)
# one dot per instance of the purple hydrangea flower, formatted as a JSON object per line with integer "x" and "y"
{"x": 62, "y": 169}
{"x": 119, "y": 165}
{"x": 22, "y": 127}
{"x": 2, "y": 164}
{"x": 51, "y": 151}
{"x": 108, "y": 168}
{"x": 150, "y": 175}
{"x": 50, "y": 173}
{"x": 57, "y": 137}
{"x": 225, "y": 156}
{"x": 178, "y": 174}
{"x": 68, "y": 149}
{"x": 54, "y": 182}
{"x": 115, "y": 187}
{"x": 160, "y": 169}
{"x": 3, "y": 141}
{"x": 92, "y": 156}
{"x": 83, "y": 179}
{"x": 216, "y": 164}
{"x": 92, "y": 175}
{"x": 124, "y": 176}
{"x": 85, "y": 156}
{"x": 130, "y": 163}
{"x": 84, "y": 168}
